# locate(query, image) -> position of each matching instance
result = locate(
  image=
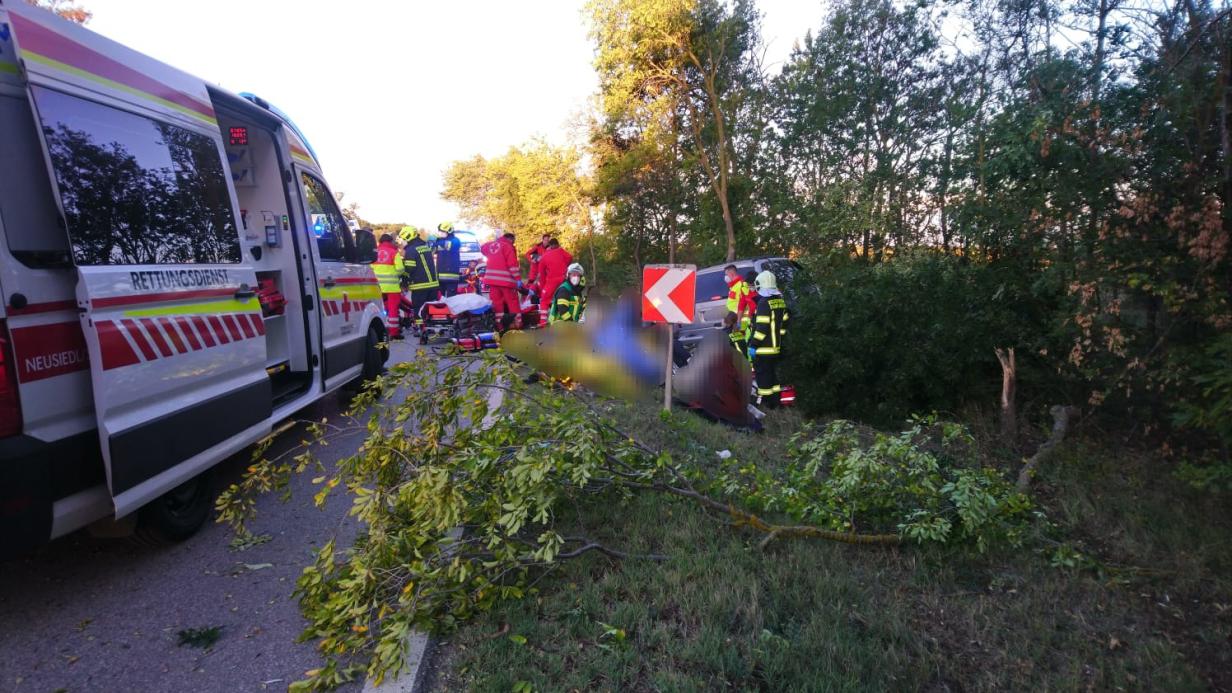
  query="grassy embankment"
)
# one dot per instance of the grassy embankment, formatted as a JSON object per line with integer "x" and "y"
{"x": 1153, "y": 612}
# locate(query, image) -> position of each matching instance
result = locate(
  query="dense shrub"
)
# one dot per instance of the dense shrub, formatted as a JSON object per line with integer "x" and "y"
{"x": 913, "y": 334}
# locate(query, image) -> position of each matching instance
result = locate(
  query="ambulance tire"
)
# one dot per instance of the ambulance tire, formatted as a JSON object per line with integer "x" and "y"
{"x": 179, "y": 513}
{"x": 375, "y": 355}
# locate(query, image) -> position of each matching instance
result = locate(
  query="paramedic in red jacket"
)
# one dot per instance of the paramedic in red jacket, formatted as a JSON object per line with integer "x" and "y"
{"x": 533, "y": 256}
{"x": 502, "y": 278}
{"x": 552, "y": 268}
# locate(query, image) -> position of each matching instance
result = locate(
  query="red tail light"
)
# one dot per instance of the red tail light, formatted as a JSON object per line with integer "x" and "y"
{"x": 10, "y": 401}
{"x": 788, "y": 397}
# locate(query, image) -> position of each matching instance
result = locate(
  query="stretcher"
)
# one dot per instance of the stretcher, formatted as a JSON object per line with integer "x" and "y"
{"x": 453, "y": 317}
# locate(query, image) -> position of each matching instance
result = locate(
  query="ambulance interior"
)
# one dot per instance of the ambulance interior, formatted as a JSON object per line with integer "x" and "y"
{"x": 269, "y": 243}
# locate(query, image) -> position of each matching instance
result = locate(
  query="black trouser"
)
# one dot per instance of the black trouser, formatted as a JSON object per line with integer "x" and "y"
{"x": 449, "y": 287}
{"x": 421, "y": 296}
{"x": 768, "y": 387}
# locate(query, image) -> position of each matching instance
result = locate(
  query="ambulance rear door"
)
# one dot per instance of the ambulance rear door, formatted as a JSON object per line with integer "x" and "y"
{"x": 349, "y": 294}
{"x": 171, "y": 321}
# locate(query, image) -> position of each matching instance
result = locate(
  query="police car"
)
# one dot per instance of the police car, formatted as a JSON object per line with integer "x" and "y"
{"x": 175, "y": 279}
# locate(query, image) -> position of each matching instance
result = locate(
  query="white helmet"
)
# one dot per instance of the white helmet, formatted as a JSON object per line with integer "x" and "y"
{"x": 575, "y": 267}
{"x": 766, "y": 280}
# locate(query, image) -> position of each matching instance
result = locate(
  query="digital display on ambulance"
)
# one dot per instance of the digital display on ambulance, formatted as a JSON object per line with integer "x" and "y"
{"x": 239, "y": 136}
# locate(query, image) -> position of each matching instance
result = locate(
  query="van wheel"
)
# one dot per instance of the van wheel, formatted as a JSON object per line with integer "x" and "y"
{"x": 179, "y": 513}
{"x": 375, "y": 355}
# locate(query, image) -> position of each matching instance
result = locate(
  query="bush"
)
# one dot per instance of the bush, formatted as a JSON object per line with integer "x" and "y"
{"x": 913, "y": 334}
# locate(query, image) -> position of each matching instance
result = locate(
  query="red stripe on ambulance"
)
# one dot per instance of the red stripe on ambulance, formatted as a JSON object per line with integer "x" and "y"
{"x": 186, "y": 328}
{"x": 134, "y": 332}
{"x": 127, "y": 342}
{"x": 155, "y": 336}
{"x": 204, "y": 329}
{"x": 173, "y": 334}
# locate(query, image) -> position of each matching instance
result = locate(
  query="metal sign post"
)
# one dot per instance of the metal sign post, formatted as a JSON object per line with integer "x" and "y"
{"x": 669, "y": 296}
{"x": 667, "y": 375}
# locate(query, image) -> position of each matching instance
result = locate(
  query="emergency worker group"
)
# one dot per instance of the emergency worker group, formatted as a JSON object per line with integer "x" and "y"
{"x": 756, "y": 323}
{"x": 414, "y": 268}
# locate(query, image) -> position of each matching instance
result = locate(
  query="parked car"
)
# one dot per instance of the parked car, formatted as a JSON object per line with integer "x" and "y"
{"x": 711, "y": 297}
{"x": 470, "y": 246}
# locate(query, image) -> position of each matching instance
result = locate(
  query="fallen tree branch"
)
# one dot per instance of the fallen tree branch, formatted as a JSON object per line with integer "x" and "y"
{"x": 1061, "y": 416}
{"x": 613, "y": 553}
{"x": 741, "y": 518}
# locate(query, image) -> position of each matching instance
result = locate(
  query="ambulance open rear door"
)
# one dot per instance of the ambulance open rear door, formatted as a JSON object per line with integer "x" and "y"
{"x": 171, "y": 322}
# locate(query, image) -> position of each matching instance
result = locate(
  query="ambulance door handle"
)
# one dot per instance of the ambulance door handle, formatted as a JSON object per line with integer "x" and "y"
{"x": 244, "y": 292}
{"x": 329, "y": 282}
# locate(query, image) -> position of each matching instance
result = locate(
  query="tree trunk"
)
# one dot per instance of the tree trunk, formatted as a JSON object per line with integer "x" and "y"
{"x": 945, "y": 188}
{"x": 1225, "y": 122}
{"x": 1009, "y": 386}
{"x": 729, "y": 225}
{"x": 1061, "y": 416}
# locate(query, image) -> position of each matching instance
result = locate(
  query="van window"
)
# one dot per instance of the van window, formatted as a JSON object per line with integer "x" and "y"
{"x": 136, "y": 191}
{"x": 328, "y": 225}
{"x": 27, "y": 204}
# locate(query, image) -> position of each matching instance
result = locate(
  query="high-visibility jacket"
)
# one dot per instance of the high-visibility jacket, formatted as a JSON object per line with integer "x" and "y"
{"x": 388, "y": 268}
{"x": 769, "y": 325}
{"x": 568, "y": 303}
{"x": 420, "y": 265}
{"x": 740, "y": 299}
{"x": 502, "y": 259}
{"x": 448, "y": 257}
{"x": 739, "y": 340}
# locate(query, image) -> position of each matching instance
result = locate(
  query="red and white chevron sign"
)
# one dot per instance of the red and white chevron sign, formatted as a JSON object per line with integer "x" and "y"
{"x": 669, "y": 293}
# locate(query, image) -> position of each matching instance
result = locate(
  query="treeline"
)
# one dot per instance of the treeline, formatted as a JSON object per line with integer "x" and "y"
{"x": 1051, "y": 177}
{"x": 1046, "y": 176}
{"x": 986, "y": 129}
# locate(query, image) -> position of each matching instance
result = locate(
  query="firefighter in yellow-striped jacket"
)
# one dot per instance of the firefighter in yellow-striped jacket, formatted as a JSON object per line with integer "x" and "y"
{"x": 766, "y": 343}
{"x": 420, "y": 263}
{"x": 569, "y": 301}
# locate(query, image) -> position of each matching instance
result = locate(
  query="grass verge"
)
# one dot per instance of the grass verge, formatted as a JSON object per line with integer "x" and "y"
{"x": 1139, "y": 597}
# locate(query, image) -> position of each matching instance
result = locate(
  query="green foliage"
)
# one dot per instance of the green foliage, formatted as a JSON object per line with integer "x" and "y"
{"x": 414, "y": 485}
{"x": 531, "y": 190}
{"x": 924, "y": 483}
{"x": 460, "y": 504}
{"x": 916, "y": 334}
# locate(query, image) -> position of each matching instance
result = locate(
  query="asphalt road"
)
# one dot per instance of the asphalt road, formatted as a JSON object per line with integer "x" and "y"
{"x": 91, "y": 614}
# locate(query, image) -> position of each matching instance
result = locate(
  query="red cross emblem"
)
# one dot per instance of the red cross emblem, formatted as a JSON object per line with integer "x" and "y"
{"x": 346, "y": 308}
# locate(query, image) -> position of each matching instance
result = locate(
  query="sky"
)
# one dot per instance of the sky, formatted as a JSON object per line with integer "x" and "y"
{"x": 390, "y": 92}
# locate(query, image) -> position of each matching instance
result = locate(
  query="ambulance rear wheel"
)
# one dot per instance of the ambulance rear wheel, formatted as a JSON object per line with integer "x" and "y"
{"x": 179, "y": 513}
{"x": 375, "y": 355}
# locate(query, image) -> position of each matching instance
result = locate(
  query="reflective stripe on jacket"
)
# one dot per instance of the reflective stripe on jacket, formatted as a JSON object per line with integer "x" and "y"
{"x": 502, "y": 259}
{"x": 567, "y": 304}
{"x": 738, "y": 340}
{"x": 769, "y": 325}
{"x": 420, "y": 265}
{"x": 388, "y": 268}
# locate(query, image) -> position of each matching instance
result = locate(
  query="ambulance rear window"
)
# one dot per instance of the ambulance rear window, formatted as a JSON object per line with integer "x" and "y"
{"x": 27, "y": 204}
{"x": 136, "y": 191}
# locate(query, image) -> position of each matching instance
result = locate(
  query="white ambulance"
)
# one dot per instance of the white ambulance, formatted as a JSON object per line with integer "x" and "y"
{"x": 175, "y": 279}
